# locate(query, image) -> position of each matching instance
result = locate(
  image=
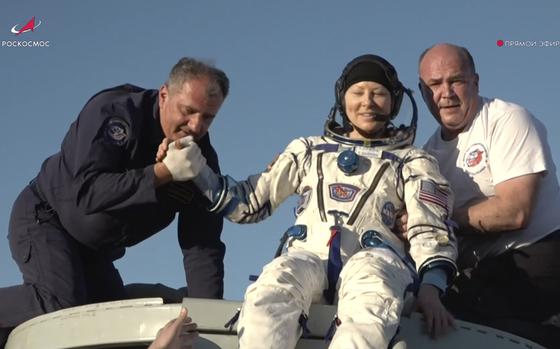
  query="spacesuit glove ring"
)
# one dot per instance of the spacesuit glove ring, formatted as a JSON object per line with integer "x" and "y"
{"x": 184, "y": 162}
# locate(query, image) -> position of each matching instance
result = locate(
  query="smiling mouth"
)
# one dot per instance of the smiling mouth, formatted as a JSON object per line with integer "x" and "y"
{"x": 369, "y": 114}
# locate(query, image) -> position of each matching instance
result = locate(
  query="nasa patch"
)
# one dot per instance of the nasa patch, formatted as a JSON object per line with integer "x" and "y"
{"x": 303, "y": 201}
{"x": 475, "y": 158}
{"x": 116, "y": 131}
{"x": 388, "y": 214}
{"x": 342, "y": 192}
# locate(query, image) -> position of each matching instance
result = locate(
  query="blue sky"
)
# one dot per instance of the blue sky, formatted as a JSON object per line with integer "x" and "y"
{"x": 282, "y": 58}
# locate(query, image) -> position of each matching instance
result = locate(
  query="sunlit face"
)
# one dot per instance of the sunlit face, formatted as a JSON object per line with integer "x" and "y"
{"x": 363, "y": 101}
{"x": 449, "y": 88}
{"x": 188, "y": 110}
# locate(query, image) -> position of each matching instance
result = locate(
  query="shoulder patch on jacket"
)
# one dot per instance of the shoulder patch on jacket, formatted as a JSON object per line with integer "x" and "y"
{"x": 116, "y": 131}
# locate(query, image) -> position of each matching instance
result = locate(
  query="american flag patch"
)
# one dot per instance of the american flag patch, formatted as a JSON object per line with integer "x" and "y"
{"x": 430, "y": 192}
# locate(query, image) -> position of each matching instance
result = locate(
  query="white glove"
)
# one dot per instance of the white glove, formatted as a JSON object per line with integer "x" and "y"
{"x": 184, "y": 164}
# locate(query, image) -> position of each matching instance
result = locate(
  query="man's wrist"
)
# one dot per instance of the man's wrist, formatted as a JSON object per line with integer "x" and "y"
{"x": 161, "y": 174}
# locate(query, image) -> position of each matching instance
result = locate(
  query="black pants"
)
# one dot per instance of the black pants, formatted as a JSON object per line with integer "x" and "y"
{"x": 58, "y": 272}
{"x": 515, "y": 291}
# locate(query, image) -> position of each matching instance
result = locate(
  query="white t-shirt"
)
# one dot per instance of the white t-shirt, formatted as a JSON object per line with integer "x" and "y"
{"x": 502, "y": 142}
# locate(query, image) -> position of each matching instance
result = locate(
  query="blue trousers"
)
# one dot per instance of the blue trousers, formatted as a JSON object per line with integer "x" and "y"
{"x": 58, "y": 272}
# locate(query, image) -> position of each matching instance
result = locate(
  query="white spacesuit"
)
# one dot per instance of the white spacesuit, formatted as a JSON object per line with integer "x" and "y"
{"x": 342, "y": 248}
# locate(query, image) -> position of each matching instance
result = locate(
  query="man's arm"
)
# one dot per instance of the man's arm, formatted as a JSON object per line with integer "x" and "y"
{"x": 510, "y": 209}
{"x": 203, "y": 251}
{"x": 97, "y": 151}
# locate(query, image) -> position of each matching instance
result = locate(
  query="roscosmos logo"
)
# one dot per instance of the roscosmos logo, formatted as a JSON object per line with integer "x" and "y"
{"x": 31, "y": 25}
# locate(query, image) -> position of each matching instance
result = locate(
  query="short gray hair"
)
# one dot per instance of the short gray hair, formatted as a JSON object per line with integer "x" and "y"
{"x": 189, "y": 68}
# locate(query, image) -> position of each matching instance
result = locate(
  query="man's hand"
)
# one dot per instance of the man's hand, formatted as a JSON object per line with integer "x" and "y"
{"x": 179, "y": 333}
{"x": 183, "y": 159}
{"x": 438, "y": 320}
{"x": 162, "y": 149}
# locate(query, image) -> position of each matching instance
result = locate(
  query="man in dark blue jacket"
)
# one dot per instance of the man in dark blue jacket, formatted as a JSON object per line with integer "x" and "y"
{"x": 104, "y": 192}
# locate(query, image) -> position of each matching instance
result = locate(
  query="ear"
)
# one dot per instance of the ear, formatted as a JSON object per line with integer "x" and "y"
{"x": 163, "y": 94}
{"x": 476, "y": 81}
{"x": 422, "y": 88}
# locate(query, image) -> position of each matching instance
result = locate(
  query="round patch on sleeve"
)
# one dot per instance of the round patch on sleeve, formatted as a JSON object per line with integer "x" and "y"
{"x": 388, "y": 214}
{"x": 116, "y": 131}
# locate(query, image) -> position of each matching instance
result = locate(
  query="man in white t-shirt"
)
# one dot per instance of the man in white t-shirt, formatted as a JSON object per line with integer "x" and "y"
{"x": 497, "y": 159}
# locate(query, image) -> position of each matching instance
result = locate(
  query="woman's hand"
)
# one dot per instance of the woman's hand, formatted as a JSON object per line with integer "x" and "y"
{"x": 438, "y": 320}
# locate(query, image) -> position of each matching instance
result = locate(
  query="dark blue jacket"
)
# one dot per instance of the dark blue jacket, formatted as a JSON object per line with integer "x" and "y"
{"x": 101, "y": 185}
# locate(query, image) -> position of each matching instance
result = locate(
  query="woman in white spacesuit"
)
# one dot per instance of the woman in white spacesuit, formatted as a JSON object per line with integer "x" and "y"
{"x": 352, "y": 182}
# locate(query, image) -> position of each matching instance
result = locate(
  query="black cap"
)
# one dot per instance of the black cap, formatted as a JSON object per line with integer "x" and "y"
{"x": 367, "y": 71}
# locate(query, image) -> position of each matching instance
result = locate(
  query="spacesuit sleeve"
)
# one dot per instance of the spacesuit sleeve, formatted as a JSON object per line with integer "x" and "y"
{"x": 255, "y": 198}
{"x": 97, "y": 155}
{"x": 429, "y": 201}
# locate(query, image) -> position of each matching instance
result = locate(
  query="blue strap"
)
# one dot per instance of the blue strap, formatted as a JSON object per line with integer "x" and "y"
{"x": 332, "y": 329}
{"x": 334, "y": 264}
{"x": 390, "y": 156}
{"x": 326, "y": 147}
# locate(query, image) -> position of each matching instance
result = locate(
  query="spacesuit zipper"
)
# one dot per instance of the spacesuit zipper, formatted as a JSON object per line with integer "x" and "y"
{"x": 320, "y": 202}
{"x": 366, "y": 195}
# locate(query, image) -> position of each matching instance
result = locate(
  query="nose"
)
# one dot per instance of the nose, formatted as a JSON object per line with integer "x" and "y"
{"x": 367, "y": 99}
{"x": 196, "y": 124}
{"x": 447, "y": 90}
